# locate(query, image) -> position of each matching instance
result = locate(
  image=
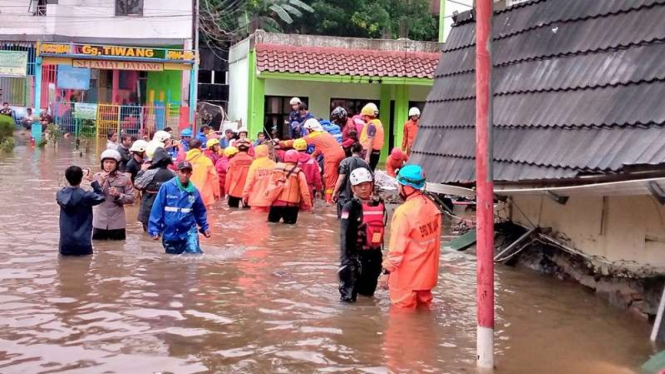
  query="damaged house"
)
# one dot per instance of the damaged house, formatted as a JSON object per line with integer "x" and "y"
{"x": 578, "y": 137}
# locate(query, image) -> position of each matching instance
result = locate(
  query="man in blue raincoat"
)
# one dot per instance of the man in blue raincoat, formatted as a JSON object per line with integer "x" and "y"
{"x": 177, "y": 211}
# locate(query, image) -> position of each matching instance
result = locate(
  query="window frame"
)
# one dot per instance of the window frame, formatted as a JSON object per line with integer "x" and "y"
{"x": 118, "y": 7}
{"x": 268, "y": 116}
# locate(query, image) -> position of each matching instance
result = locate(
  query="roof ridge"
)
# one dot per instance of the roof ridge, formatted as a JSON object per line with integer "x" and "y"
{"x": 273, "y": 47}
{"x": 570, "y": 20}
{"x": 558, "y": 55}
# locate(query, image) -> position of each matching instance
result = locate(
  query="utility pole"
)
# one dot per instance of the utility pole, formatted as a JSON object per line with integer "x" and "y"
{"x": 442, "y": 21}
{"x": 484, "y": 186}
{"x": 194, "y": 76}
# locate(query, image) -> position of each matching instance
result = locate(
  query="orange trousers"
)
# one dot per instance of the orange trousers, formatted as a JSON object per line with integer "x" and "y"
{"x": 330, "y": 175}
{"x": 410, "y": 299}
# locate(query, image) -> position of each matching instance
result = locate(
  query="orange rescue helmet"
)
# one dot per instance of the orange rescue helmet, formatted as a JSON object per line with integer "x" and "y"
{"x": 291, "y": 157}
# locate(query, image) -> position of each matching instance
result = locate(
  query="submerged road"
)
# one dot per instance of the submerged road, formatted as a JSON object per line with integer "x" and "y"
{"x": 263, "y": 299}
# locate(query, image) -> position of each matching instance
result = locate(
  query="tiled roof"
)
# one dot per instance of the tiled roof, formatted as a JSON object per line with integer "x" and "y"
{"x": 343, "y": 61}
{"x": 578, "y": 90}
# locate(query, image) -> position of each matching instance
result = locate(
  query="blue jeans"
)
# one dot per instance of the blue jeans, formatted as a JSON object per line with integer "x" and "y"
{"x": 189, "y": 245}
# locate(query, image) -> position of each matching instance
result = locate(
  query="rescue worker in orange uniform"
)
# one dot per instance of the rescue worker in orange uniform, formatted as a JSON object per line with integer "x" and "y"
{"x": 371, "y": 135}
{"x": 326, "y": 145}
{"x": 411, "y": 268}
{"x": 212, "y": 150}
{"x": 410, "y": 130}
{"x": 310, "y": 167}
{"x": 222, "y": 167}
{"x": 258, "y": 179}
{"x": 363, "y": 223}
{"x": 395, "y": 161}
{"x": 287, "y": 190}
{"x": 204, "y": 175}
{"x": 236, "y": 175}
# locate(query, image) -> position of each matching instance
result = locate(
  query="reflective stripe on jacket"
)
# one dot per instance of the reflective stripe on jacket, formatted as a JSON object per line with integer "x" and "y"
{"x": 176, "y": 210}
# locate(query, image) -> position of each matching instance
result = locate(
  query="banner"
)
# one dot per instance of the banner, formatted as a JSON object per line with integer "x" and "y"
{"x": 85, "y": 111}
{"x": 71, "y": 78}
{"x": 118, "y": 65}
{"x": 13, "y": 63}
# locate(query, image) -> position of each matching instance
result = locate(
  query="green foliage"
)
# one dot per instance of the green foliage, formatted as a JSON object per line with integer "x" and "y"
{"x": 7, "y": 144}
{"x": 88, "y": 130}
{"x": 53, "y": 133}
{"x": 6, "y": 127}
{"x": 347, "y": 18}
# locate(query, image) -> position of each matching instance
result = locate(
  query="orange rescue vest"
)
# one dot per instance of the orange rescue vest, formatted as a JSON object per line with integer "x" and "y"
{"x": 378, "y": 137}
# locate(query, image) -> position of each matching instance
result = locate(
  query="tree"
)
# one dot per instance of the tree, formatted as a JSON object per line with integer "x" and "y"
{"x": 235, "y": 19}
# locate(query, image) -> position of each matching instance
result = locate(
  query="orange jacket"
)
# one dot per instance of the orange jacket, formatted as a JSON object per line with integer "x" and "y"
{"x": 295, "y": 189}
{"x": 204, "y": 176}
{"x": 258, "y": 179}
{"x": 236, "y": 176}
{"x": 415, "y": 240}
{"x": 378, "y": 137}
{"x": 324, "y": 143}
{"x": 410, "y": 133}
{"x": 392, "y": 164}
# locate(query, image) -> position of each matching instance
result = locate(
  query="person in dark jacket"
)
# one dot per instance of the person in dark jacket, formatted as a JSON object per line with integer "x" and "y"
{"x": 150, "y": 181}
{"x": 362, "y": 226}
{"x": 134, "y": 165}
{"x": 76, "y": 213}
{"x": 177, "y": 210}
{"x": 342, "y": 193}
{"x": 123, "y": 148}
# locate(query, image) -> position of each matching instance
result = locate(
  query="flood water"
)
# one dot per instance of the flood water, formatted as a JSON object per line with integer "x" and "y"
{"x": 264, "y": 299}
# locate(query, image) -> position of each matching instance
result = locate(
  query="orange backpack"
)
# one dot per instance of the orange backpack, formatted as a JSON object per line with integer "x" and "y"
{"x": 276, "y": 187}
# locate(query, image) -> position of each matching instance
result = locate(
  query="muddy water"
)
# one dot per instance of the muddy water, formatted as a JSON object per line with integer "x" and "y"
{"x": 263, "y": 299}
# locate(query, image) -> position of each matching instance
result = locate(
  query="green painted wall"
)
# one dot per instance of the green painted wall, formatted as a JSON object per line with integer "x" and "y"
{"x": 168, "y": 80}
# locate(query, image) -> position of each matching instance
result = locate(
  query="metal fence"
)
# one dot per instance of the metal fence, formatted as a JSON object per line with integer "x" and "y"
{"x": 19, "y": 91}
{"x": 98, "y": 119}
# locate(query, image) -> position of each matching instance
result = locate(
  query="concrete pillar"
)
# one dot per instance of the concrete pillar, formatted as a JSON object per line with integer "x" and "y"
{"x": 115, "y": 91}
{"x": 385, "y": 115}
{"x": 38, "y": 85}
{"x": 255, "y": 99}
{"x": 401, "y": 112}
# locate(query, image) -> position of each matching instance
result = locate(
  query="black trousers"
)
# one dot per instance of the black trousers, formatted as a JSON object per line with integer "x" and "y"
{"x": 288, "y": 213}
{"x": 234, "y": 202}
{"x": 374, "y": 159}
{"x": 100, "y": 234}
{"x": 359, "y": 274}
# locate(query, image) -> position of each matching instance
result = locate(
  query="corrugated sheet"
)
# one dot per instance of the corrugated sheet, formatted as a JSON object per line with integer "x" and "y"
{"x": 579, "y": 89}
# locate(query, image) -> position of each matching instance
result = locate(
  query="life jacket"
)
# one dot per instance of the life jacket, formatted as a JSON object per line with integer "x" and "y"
{"x": 373, "y": 226}
{"x": 378, "y": 137}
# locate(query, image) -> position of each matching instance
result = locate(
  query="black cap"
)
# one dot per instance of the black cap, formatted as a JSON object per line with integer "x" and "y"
{"x": 185, "y": 165}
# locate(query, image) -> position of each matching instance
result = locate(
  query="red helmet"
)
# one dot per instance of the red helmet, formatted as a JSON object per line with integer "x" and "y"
{"x": 397, "y": 153}
{"x": 292, "y": 156}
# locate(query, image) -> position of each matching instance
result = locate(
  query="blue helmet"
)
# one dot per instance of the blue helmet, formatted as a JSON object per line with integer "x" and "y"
{"x": 186, "y": 133}
{"x": 412, "y": 176}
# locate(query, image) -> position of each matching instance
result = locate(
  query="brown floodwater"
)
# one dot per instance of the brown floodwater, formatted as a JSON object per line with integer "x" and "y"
{"x": 263, "y": 299}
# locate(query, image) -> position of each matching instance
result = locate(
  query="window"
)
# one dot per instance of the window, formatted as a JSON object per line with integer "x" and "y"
{"x": 129, "y": 8}
{"x": 352, "y": 106}
{"x": 38, "y": 7}
{"x": 277, "y": 112}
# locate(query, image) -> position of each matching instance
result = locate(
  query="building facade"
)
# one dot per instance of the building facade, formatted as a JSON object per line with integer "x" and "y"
{"x": 133, "y": 53}
{"x": 267, "y": 70}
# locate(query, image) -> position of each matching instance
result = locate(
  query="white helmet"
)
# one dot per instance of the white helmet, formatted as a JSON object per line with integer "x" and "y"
{"x": 111, "y": 154}
{"x": 295, "y": 101}
{"x": 360, "y": 175}
{"x": 161, "y": 136}
{"x": 139, "y": 146}
{"x": 151, "y": 147}
{"x": 313, "y": 125}
{"x": 414, "y": 112}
